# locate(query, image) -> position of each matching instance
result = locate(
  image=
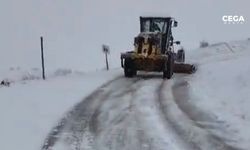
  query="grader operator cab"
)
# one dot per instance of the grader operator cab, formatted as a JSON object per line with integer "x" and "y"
{"x": 154, "y": 49}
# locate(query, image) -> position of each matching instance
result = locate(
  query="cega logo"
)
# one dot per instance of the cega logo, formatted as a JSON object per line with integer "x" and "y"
{"x": 230, "y": 19}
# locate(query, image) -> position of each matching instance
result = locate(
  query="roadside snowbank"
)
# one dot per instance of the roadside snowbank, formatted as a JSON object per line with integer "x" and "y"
{"x": 221, "y": 86}
{"x": 30, "y": 109}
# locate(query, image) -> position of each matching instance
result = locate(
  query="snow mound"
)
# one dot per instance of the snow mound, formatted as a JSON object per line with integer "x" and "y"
{"x": 221, "y": 86}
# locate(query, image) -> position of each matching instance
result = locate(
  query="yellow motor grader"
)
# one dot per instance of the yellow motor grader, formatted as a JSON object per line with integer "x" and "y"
{"x": 154, "y": 50}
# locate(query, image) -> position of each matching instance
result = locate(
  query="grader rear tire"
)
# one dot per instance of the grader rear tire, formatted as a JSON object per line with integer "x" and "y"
{"x": 168, "y": 70}
{"x": 129, "y": 68}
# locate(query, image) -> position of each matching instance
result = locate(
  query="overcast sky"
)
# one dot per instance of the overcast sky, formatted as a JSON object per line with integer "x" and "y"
{"x": 77, "y": 28}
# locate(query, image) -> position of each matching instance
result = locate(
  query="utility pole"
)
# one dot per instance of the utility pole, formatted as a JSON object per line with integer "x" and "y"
{"x": 106, "y": 51}
{"x": 42, "y": 58}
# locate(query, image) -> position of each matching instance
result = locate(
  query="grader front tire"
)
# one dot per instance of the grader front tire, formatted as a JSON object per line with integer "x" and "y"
{"x": 168, "y": 70}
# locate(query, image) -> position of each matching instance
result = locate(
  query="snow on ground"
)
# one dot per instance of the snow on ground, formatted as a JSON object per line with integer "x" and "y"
{"x": 30, "y": 108}
{"x": 126, "y": 115}
{"x": 221, "y": 86}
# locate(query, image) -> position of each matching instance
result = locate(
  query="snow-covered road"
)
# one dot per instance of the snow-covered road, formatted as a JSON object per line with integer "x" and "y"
{"x": 123, "y": 114}
{"x": 203, "y": 111}
{"x": 138, "y": 113}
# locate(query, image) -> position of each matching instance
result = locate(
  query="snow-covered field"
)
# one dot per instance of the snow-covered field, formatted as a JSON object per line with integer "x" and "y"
{"x": 218, "y": 98}
{"x": 30, "y": 108}
{"x": 221, "y": 87}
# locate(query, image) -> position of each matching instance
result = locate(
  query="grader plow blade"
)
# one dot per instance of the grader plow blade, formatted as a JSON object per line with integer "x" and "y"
{"x": 184, "y": 68}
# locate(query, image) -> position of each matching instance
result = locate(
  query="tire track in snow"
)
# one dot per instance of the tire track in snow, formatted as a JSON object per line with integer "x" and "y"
{"x": 184, "y": 125}
{"x": 124, "y": 114}
{"x": 203, "y": 120}
{"x": 76, "y": 122}
{"x": 55, "y": 133}
{"x": 135, "y": 124}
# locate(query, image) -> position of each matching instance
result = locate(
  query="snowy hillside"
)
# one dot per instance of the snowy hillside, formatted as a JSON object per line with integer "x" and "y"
{"x": 221, "y": 88}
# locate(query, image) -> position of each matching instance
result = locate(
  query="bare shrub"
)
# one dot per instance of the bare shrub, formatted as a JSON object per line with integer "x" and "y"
{"x": 62, "y": 72}
{"x": 204, "y": 44}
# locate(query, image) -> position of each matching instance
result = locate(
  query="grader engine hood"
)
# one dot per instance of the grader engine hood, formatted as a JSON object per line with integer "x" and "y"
{"x": 148, "y": 44}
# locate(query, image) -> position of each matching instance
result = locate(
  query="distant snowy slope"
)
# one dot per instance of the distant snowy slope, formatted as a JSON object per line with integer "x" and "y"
{"x": 75, "y": 30}
{"x": 221, "y": 86}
